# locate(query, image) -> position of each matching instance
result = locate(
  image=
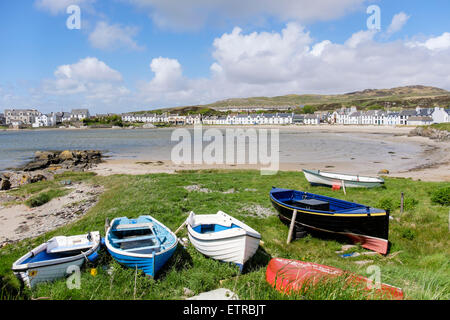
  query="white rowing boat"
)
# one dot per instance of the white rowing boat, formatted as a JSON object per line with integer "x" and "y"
{"x": 223, "y": 237}
{"x": 56, "y": 258}
{"x": 317, "y": 177}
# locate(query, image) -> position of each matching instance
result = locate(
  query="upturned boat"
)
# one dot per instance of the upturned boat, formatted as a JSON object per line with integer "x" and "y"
{"x": 362, "y": 224}
{"x": 222, "y": 237}
{"x": 56, "y": 258}
{"x": 289, "y": 276}
{"x": 318, "y": 177}
{"x": 143, "y": 243}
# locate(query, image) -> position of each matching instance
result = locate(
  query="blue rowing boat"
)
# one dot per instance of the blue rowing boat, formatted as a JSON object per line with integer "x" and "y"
{"x": 316, "y": 213}
{"x": 143, "y": 243}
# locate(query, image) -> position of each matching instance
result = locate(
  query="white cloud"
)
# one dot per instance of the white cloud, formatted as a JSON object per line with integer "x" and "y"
{"x": 437, "y": 43}
{"x": 106, "y": 36}
{"x": 88, "y": 69}
{"x": 290, "y": 61}
{"x": 398, "y": 22}
{"x": 193, "y": 14}
{"x": 59, "y": 6}
{"x": 89, "y": 79}
{"x": 361, "y": 37}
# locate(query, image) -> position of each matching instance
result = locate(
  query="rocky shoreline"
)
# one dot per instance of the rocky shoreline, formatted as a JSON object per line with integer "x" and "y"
{"x": 434, "y": 134}
{"x": 48, "y": 163}
{"x": 18, "y": 222}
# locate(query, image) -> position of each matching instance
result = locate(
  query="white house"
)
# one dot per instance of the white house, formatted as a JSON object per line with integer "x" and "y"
{"x": 18, "y": 117}
{"x": 45, "y": 120}
{"x": 420, "y": 121}
{"x": 441, "y": 115}
{"x": 193, "y": 119}
{"x": 311, "y": 119}
{"x": 405, "y": 115}
{"x": 79, "y": 114}
{"x": 391, "y": 119}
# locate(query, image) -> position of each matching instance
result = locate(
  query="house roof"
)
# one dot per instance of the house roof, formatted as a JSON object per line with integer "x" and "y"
{"x": 410, "y": 113}
{"x": 80, "y": 111}
{"x": 420, "y": 119}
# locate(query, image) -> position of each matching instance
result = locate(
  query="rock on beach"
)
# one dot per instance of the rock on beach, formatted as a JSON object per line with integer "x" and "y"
{"x": 47, "y": 163}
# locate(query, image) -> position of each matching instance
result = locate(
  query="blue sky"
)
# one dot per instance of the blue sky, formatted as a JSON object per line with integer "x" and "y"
{"x": 144, "y": 54}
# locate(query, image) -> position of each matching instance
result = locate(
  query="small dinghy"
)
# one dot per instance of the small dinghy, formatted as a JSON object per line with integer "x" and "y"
{"x": 143, "y": 243}
{"x": 360, "y": 223}
{"x": 317, "y": 177}
{"x": 291, "y": 275}
{"x": 222, "y": 237}
{"x": 51, "y": 260}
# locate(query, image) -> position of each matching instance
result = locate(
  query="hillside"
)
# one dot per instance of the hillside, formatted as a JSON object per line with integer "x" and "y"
{"x": 406, "y": 97}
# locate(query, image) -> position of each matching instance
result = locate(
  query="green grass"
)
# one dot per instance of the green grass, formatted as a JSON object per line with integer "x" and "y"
{"x": 441, "y": 126}
{"x": 44, "y": 197}
{"x": 418, "y": 260}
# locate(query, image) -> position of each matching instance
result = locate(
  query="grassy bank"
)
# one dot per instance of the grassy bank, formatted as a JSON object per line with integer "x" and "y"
{"x": 441, "y": 126}
{"x": 418, "y": 260}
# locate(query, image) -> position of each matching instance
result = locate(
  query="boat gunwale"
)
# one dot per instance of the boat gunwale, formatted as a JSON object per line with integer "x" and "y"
{"x": 194, "y": 234}
{"x": 110, "y": 247}
{"x": 317, "y": 173}
{"x": 243, "y": 228}
{"x": 323, "y": 213}
{"x": 19, "y": 266}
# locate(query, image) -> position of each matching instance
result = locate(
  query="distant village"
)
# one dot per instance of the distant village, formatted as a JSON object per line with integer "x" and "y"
{"x": 26, "y": 118}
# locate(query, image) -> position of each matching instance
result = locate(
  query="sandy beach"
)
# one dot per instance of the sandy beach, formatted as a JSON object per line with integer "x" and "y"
{"x": 19, "y": 222}
{"x": 433, "y": 163}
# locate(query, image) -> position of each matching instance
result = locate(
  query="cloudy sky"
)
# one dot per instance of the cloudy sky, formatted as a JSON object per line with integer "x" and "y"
{"x": 133, "y": 55}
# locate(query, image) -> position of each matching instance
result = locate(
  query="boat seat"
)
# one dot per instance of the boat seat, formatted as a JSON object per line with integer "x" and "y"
{"x": 134, "y": 226}
{"x": 130, "y": 239}
{"x": 142, "y": 248}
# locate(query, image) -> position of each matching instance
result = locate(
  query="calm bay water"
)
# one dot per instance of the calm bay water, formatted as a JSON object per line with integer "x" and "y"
{"x": 17, "y": 147}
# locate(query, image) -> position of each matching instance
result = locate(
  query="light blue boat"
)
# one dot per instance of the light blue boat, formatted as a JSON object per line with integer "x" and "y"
{"x": 143, "y": 243}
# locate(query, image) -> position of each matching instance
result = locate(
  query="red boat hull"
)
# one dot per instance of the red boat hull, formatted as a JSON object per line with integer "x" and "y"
{"x": 290, "y": 275}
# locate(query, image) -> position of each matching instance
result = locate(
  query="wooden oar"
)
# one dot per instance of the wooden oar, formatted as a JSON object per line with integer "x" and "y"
{"x": 291, "y": 227}
{"x": 107, "y": 223}
{"x": 180, "y": 227}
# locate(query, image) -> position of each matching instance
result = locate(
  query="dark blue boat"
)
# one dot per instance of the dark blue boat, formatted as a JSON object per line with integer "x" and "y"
{"x": 366, "y": 225}
{"x": 143, "y": 243}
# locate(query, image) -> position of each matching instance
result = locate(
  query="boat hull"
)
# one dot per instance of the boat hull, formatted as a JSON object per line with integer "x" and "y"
{"x": 318, "y": 179}
{"x": 237, "y": 250}
{"x": 33, "y": 268}
{"x": 231, "y": 241}
{"x": 32, "y": 276}
{"x": 289, "y": 276}
{"x": 149, "y": 263}
{"x": 370, "y": 230}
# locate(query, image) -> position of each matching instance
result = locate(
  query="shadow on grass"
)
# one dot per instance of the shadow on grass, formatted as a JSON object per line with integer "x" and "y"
{"x": 9, "y": 291}
{"x": 259, "y": 260}
{"x": 180, "y": 260}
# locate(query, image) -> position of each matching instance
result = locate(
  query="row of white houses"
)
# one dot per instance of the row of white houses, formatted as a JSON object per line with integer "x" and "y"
{"x": 345, "y": 116}
{"x": 419, "y": 116}
{"x": 232, "y": 119}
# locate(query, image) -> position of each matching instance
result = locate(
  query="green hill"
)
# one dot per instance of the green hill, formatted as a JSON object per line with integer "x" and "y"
{"x": 405, "y": 97}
